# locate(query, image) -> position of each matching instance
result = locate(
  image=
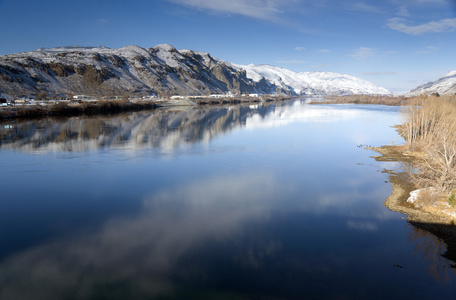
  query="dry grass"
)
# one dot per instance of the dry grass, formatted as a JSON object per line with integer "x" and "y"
{"x": 430, "y": 127}
{"x": 364, "y": 99}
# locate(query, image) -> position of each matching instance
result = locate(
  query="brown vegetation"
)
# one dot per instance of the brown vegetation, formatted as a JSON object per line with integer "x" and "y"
{"x": 364, "y": 99}
{"x": 429, "y": 129}
{"x": 59, "y": 109}
{"x": 241, "y": 99}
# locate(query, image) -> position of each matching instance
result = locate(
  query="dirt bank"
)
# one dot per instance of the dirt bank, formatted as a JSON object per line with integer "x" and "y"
{"x": 438, "y": 213}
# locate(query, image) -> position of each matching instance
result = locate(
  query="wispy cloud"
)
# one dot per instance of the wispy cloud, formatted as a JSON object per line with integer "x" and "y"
{"x": 362, "y": 6}
{"x": 403, "y": 11}
{"x": 103, "y": 21}
{"x": 259, "y": 9}
{"x": 428, "y": 49}
{"x": 375, "y": 73}
{"x": 363, "y": 53}
{"x": 292, "y": 61}
{"x": 320, "y": 66}
{"x": 362, "y": 226}
{"x": 300, "y": 48}
{"x": 399, "y": 24}
{"x": 371, "y": 73}
{"x": 324, "y": 50}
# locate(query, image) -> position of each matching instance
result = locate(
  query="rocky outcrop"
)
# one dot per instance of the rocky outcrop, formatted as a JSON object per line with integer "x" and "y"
{"x": 161, "y": 70}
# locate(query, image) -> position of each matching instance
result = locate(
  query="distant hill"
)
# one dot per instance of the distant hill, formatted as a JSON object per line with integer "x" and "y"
{"x": 445, "y": 85}
{"x": 161, "y": 70}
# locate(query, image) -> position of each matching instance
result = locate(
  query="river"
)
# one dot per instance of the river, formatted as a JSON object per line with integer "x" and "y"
{"x": 267, "y": 201}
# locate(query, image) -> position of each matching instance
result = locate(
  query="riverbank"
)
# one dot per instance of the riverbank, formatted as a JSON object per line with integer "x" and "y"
{"x": 363, "y": 99}
{"x": 73, "y": 108}
{"x": 437, "y": 212}
{"x": 66, "y": 108}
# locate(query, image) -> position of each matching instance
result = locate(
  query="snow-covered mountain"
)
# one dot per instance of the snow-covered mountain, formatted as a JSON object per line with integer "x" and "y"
{"x": 161, "y": 70}
{"x": 311, "y": 83}
{"x": 445, "y": 85}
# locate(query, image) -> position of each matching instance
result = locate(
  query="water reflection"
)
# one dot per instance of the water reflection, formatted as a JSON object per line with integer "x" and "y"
{"x": 436, "y": 243}
{"x": 282, "y": 205}
{"x": 250, "y": 226}
{"x": 163, "y": 129}
{"x": 143, "y": 252}
{"x": 435, "y": 247}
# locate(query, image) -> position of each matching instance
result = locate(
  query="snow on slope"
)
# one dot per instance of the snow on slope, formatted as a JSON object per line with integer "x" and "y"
{"x": 312, "y": 82}
{"x": 161, "y": 69}
{"x": 445, "y": 85}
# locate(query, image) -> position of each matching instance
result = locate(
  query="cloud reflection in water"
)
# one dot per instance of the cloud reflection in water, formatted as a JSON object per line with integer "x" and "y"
{"x": 140, "y": 253}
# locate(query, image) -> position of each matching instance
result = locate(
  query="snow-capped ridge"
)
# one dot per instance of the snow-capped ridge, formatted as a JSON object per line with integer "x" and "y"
{"x": 309, "y": 83}
{"x": 161, "y": 70}
{"x": 165, "y": 48}
{"x": 72, "y": 48}
{"x": 445, "y": 85}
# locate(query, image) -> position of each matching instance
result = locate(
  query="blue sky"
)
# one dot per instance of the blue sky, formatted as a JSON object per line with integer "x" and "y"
{"x": 397, "y": 44}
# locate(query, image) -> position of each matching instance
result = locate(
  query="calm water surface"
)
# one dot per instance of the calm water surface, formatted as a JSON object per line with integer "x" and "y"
{"x": 233, "y": 202}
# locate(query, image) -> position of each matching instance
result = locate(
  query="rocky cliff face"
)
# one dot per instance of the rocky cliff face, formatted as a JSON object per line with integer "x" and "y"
{"x": 161, "y": 70}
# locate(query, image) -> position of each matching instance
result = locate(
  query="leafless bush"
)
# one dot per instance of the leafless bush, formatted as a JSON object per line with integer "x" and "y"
{"x": 427, "y": 197}
{"x": 430, "y": 126}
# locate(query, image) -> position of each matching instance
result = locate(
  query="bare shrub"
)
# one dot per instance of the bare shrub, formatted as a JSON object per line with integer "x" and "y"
{"x": 426, "y": 197}
{"x": 430, "y": 126}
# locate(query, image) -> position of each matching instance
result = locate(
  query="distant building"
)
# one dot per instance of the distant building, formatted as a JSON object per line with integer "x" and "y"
{"x": 3, "y": 102}
{"x": 23, "y": 101}
{"x": 80, "y": 97}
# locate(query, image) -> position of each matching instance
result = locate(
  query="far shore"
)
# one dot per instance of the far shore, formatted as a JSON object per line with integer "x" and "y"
{"x": 364, "y": 99}
{"x": 71, "y": 108}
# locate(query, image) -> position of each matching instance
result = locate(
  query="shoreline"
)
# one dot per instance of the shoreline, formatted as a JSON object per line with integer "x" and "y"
{"x": 115, "y": 106}
{"x": 73, "y": 109}
{"x": 364, "y": 99}
{"x": 402, "y": 186}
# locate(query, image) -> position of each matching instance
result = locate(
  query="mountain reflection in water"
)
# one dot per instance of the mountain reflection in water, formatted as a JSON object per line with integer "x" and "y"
{"x": 162, "y": 128}
{"x": 256, "y": 202}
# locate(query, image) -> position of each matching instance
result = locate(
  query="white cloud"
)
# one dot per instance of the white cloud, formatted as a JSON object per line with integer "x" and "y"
{"x": 259, "y": 9}
{"x": 363, "y": 53}
{"x": 399, "y": 24}
{"x": 300, "y": 48}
